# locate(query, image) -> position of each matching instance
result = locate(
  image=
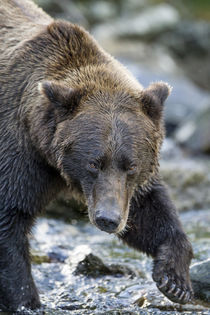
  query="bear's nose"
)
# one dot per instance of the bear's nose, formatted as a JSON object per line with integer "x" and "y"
{"x": 107, "y": 224}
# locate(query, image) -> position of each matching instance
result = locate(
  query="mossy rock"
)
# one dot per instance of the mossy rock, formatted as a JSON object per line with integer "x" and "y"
{"x": 38, "y": 259}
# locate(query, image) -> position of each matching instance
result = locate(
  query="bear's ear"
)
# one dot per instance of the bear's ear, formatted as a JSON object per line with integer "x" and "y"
{"x": 153, "y": 98}
{"x": 63, "y": 99}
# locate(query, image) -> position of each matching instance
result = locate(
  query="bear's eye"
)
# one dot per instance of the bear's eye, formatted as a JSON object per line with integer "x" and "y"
{"x": 131, "y": 170}
{"x": 93, "y": 167}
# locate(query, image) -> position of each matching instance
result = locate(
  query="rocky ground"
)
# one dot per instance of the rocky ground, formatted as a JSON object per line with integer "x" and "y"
{"x": 81, "y": 270}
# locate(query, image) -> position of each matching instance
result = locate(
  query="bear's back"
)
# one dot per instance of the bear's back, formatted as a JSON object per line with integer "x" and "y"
{"x": 19, "y": 21}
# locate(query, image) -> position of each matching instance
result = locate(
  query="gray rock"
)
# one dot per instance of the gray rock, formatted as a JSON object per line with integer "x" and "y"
{"x": 188, "y": 38}
{"x": 186, "y": 100}
{"x": 83, "y": 261}
{"x": 200, "y": 277}
{"x": 170, "y": 150}
{"x": 147, "y": 24}
{"x": 93, "y": 266}
{"x": 188, "y": 182}
{"x": 195, "y": 132}
{"x": 189, "y": 42}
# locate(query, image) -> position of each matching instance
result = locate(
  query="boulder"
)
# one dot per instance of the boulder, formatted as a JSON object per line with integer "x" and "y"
{"x": 195, "y": 133}
{"x": 93, "y": 266}
{"x": 188, "y": 38}
{"x": 188, "y": 182}
{"x": 170, "y": 150}
{"x": 83, "y": 261}
{"x": 190, "y": 45}
{"x": 200, "y": 277}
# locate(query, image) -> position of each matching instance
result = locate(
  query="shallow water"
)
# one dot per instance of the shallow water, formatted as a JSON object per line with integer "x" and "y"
{"x": 61, "y": 246}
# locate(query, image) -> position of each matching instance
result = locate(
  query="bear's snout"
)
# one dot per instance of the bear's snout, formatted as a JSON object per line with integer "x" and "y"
{"x": 106, "y": 223}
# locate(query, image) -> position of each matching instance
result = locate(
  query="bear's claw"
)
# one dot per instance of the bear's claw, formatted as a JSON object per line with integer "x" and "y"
{"x": 171, "y": 271}
{"x": 163, "y": 282}
{"x": 175, "y": 291}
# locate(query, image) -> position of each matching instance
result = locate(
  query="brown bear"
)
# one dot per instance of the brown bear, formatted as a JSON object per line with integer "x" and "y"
{"x": 71, "y": 116}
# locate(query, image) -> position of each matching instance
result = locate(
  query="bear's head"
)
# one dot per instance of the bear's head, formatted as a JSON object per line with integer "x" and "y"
{"x": 106, "y": 144}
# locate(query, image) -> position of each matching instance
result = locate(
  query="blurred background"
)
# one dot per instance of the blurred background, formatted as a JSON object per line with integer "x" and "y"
{"x": 156, "y": 40}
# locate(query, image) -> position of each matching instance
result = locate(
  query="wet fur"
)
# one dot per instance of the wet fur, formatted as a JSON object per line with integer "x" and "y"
{"x": 36, "y": 50}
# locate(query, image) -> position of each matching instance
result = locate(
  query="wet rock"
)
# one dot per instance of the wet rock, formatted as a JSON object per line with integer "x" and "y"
{"x": 185, "y": 102}
{"x": 200, "y": 277}
{"x": 57, "y": 256}
{"x": 194, "y": 133}
{"x": 170, "y": 150}
{"x": 188, "y": 38}
{"x": 93, "y": 266}
{"x": 197, "y": 225}
{"x": 188, "y": 182}
{"x": 148, "y": 24}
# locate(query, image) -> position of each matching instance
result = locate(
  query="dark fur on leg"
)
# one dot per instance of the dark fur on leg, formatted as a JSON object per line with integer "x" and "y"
{"x": 17, "y": 287}
{"x": 155, "y": 229}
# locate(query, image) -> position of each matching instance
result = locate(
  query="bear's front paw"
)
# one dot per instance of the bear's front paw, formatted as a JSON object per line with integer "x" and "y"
{"x": 171, "y": 274}
{"x": 175, "y": 288}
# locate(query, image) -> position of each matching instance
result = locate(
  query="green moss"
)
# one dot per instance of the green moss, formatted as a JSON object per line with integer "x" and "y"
{"x": 194, "y": 179}
{"x": 197, "y": 256}
{"x": 199, "y": 9}
{"x": 102, "y": 289}
{"x": 130, "y": 254}
{"x": 199, "y": 233}
{"x": 39, "y": 259}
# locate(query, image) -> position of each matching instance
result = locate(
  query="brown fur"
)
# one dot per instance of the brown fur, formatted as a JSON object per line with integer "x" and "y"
{"x": 66, "y": 54}
{"x": 72, "y": 116}
{"x": 60, "y": 52}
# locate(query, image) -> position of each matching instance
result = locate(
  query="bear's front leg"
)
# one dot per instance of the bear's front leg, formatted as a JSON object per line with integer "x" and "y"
{"x": 154, "y": 228}
{"x": 17, "y": 287}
